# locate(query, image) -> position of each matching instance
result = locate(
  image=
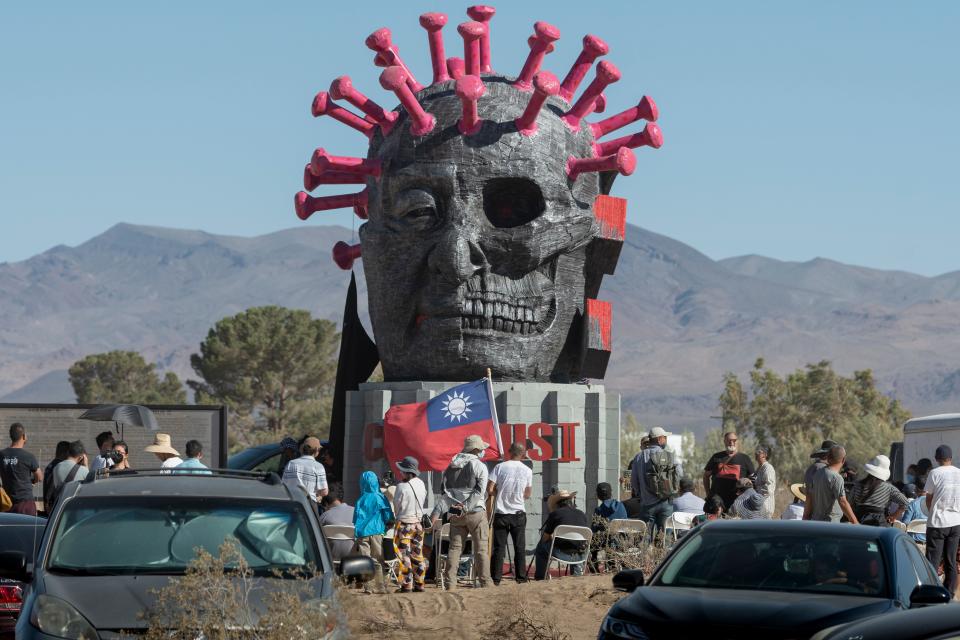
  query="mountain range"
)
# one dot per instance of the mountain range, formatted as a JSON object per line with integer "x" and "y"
{"x": 681, "y": 319}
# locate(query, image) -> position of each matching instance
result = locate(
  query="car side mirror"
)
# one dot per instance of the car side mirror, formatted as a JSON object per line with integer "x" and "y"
{"x": 628, "y": 580}
{"x": 926, "y": 594}
{"x": 13, "y": 566}
{"x": 361, "y": 567}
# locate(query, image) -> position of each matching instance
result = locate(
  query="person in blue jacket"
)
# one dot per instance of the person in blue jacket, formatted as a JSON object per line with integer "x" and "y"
{"x": 371, "y": 517}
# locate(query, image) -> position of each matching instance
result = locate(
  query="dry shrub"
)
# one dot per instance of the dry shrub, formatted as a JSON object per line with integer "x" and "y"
{"x": 523, "y": 623}
{"x": 625, "y": 550}
{"x": 219, "y": 598}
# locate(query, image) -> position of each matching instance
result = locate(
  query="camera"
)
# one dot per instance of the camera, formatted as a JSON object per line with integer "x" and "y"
{"x": 115, "y": 456}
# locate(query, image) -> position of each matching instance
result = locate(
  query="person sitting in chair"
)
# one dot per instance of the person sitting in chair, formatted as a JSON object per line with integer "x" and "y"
{"x": 563, "y": 510}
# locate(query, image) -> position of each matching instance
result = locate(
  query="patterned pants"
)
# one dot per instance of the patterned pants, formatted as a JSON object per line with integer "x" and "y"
{"x": 408, "y": 545}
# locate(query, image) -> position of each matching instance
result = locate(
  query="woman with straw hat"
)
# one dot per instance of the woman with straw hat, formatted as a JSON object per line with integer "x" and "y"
{"x": 161, "y": 447}
{"x": 873, "y": 494}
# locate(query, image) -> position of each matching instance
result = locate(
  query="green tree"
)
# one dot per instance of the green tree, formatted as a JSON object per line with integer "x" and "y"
{"x": 796, "y": 412}
{"x": 123, "y": 377}
{"x": 273, "y": 367}
{"x": 631, "y": 433}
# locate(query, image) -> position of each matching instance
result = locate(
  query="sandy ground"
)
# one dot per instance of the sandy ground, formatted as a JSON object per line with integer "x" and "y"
{"x": 570, "y": 608}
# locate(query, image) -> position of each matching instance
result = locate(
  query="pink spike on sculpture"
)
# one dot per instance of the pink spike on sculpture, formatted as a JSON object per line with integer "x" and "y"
{"x": 381, "y": 41}
{"x": 342, "y": 89}
{"x": 533, "y": 39}
{"x": 544, "y": 85}
{"x": 379, "y": 61}
{"x": 306, "y": 205}
{"x": 323, "y": 162}
{"x": 469, "y": 90}
{"x": 345, "y": 254}
{"x": 311, "y": 181}
{"x": 607, "y": 74}
{"x": 456, "y": 67}
{"x": 544, "y": 35}
{"x": 593, "y": 48}
{"x": 623, "y": 162}
{"x": 434, "y": 23}
{"x": 600, "y": 104}
{"x": 651, "y": 136}
{"x": 472, "y": 33}
{"x": 646, "y": 109}
{"x": 482, "y": 13}
{"x": 324, "y": 106}
{"x": 395, "y": 79}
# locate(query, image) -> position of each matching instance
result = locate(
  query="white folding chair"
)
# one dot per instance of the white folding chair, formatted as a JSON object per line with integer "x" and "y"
{"x": 627, "y": 534}
{"x": 678, "y": 521}
{"x": 440, "y": 570}
{"x": 394, "y": 562}
{"x": 571, "y": 534}
{"x": 338, "y": 532}
{"x": 900, "y": 525}
{"x": 917, "y": 526}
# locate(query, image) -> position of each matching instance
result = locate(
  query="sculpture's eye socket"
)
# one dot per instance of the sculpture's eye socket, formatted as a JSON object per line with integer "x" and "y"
{"x": 511, "y": 202}
{"x": 417, "y": 207}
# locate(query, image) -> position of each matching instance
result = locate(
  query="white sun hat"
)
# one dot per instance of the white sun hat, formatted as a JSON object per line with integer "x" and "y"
{"x": 879, "y": 467}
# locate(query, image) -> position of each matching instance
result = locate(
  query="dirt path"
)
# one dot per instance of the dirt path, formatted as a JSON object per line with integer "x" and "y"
{"x": 567, "y": 609}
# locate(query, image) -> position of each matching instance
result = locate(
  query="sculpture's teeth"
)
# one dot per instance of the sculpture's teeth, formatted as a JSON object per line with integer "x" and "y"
{"x": 434, "y": 23}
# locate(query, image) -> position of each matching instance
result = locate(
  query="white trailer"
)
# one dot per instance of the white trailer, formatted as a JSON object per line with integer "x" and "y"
{"x": 922, "y": 436}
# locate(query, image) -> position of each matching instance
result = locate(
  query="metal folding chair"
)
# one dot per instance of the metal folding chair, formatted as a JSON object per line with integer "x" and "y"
{"x": 678, "y": 521}
{"x": 338, "y": 532}
{"x": 624, "y": 536}
{"x": 571, "y": 534}
{"x": 441, "y": 562}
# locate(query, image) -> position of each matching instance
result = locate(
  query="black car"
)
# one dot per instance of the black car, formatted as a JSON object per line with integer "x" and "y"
{"x": 264, "y": 457}
{"x": 111, "y": 542}
{"x": 773, "y": 579}
{"x": 19, "y": 534}
{"x": 928, "y": 623}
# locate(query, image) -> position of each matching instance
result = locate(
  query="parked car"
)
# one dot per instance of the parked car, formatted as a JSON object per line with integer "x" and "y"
{"x": 928, "y": 623}
{"x": 265, "y": 457}
{"x": 18, "y": 534}
{"x": 773, "y": 579}
{"x": 112, "y": 542}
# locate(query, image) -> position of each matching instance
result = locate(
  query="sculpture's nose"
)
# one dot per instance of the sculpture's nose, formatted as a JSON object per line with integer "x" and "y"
{"x": 456, "y": 257}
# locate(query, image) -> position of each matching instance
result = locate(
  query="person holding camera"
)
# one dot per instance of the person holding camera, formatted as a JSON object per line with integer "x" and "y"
{"x": 120, "y": 458}
{"x": 105, "y": 458}
{"x": 73, "y": 468}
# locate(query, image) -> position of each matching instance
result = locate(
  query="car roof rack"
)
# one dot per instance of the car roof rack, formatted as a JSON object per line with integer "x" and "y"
{"x": 268, "y": 477}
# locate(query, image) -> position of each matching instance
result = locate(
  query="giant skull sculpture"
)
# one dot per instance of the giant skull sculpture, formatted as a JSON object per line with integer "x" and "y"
{"x": 485, "y": 241}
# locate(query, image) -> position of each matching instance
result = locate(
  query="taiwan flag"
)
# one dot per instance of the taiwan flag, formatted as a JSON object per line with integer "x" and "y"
{"x": 433, "y": 431}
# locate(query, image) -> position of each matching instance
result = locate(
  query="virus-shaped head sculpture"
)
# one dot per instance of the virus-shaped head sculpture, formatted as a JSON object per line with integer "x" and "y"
{"x": 487, "y": 229}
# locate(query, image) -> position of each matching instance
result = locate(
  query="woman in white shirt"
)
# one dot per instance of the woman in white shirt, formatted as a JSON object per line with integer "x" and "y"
{"x": 408, "y": 506}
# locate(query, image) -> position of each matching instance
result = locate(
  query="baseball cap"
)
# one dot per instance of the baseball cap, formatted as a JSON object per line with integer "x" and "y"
{"x": 943, "y": 453}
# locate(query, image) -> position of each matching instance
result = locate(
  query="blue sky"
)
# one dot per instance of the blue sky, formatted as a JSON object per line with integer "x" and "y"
{"x": 792, "y": 130}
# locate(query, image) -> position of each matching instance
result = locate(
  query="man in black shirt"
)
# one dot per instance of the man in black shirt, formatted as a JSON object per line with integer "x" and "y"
{"x": 724, "y": 469}
{"x": 19, "y": 471}
{"x": 563, "y": 510}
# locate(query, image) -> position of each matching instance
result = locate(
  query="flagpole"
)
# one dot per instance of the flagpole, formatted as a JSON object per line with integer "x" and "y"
{"x": 492, "y": 500}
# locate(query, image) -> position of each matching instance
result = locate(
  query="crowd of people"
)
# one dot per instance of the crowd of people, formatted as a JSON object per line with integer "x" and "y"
{"x": 20, "y": 470}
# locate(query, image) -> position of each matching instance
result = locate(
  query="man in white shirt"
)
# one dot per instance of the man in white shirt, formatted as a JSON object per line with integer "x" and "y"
{"x": 305, "y": 473}
{"x": 943, "y": 525}
{"x": 511, "y": 482}
{"x": 168, "y": 456}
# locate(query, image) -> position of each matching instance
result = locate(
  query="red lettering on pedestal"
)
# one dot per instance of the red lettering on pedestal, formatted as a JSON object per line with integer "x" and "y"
{"x": 373, "y": 442}
{"x": 568, "y": 441}
{"x": 537, "y": 434}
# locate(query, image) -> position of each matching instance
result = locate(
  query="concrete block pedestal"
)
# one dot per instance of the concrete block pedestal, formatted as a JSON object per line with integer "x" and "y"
{"x": 571, "y": 431}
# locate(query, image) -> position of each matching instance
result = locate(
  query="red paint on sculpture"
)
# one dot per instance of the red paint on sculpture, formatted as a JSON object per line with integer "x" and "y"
{"x": 600, "y": 319}
{"x": 611, "y": 215}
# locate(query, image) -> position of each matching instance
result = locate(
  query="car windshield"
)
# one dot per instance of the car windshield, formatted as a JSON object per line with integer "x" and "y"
{"x": 714, "y": 558}
{"x": 162, "y": 535}
{"x": 246, "y": 458}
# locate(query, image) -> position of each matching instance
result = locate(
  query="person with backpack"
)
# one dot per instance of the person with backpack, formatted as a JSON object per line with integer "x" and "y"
{"x": 655, "y": 478}
{"x": 724, "y": 469}
{"x": 73, "y": 468}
